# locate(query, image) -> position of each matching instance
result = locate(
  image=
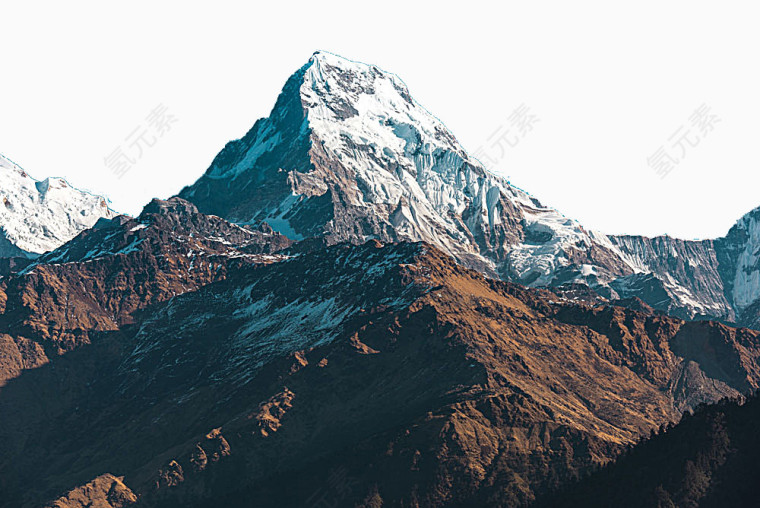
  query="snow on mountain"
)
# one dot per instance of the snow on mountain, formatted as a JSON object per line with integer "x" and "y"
{"x": 268, "y": 319}
{"x": 718, "y": 279}
{"x": 739, "y": 256}
{"x": 39, "y": 216}
{"x": 348, "y": 155}
{"x": 677, "y": 276}
{"x": 747, "y": 277}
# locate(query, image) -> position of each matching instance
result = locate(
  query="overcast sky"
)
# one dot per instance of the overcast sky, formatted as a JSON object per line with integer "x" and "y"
{"x": 616, "y": 94}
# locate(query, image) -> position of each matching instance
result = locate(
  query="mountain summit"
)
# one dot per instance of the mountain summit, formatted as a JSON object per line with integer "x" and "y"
{"x": 39, "y": 216}
{"x": 347, "y": 154}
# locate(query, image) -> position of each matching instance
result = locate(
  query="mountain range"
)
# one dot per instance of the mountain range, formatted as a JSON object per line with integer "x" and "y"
{"x": 347, "y": 309}
{"x": 348, "y": 155}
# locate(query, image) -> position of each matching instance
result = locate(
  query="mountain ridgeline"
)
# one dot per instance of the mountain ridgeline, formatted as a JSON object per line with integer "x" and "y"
{"x": 39, "y": 216}
{"x": 347, "y": 309}
{"x": 707, "y": 460}
{"x": 348, "y": 155}
{"x": 373, "y": 374}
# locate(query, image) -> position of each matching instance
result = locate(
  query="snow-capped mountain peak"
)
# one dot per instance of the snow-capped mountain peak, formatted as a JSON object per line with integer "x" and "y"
{"x": 39, "y": 216}
{"x": 348, "y": 155}
{"x": 344, "y": 98}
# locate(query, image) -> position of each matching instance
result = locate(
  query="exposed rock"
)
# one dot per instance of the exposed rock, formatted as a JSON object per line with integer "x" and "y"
{"x": 105, "y": 491}
{"x": 101, "y": 278}
{"x": 17, "y": 354}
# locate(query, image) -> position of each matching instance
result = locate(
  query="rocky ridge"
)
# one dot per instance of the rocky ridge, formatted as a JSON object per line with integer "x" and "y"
{"x": 348, "y": 155}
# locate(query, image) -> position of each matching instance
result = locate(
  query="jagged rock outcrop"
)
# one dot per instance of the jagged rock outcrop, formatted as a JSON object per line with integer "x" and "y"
{"x": 105, "y": 491}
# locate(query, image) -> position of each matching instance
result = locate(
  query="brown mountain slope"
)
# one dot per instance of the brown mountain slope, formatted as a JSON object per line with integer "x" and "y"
{"x": 99, "y": 279}
{"x": 360, "y": 374}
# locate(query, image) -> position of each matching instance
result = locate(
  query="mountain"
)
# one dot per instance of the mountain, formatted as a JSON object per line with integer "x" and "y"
{"x": 718, "y": 279}
{"x": 369, "y": 374}
{"x": 707, "y": 460}
{"x": 337, "y": 313}
{"x": 98, "y": 280}
{"x": 39, "y": 216}
{"x": 739, "y": 257}
{"x": 348, "y": 155}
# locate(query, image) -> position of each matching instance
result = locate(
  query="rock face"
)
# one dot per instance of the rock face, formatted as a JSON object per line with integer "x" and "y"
{"x": 98, "y": 280}
{"x": 373, "y": 374}
{"x": 739, "y": 255}
{"x": 675, "y": 276}
{"x": 39, "y": 216}
{"x": 348, "y": 155}
{"x": 105, "y": 491}
{"x": 716, "y": 279}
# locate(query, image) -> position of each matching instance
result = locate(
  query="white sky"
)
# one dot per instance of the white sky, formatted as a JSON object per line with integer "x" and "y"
{"x": 609, "y": 84}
